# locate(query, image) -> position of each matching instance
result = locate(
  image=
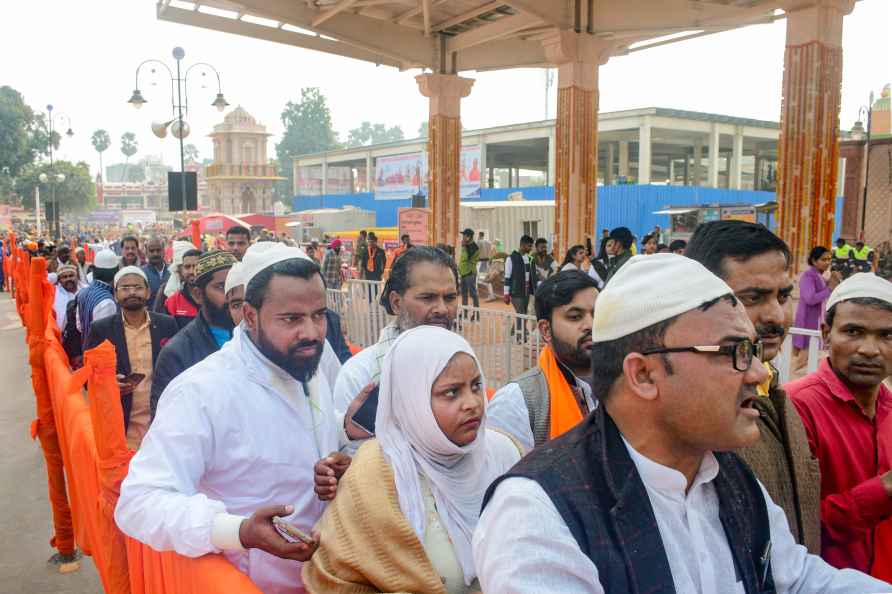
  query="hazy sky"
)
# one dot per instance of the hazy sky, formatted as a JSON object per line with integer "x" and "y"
{"x": 81, "y": 56}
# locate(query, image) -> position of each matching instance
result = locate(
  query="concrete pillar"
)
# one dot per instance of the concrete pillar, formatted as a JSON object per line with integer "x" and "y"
{"x": 445, "y": 92}
{"x": 757, "y": 165}
{"x": 644, "y": 156}
{"x": 608, "y": 172}
{"x": 712, "y": 171}
{"x": 578, "y": 57}
{"x": 624, "y": 158}
{"x": 808, "y": 146}
{"x": 552, "y": 156}
{"x": 671, "y": 170}
{"x": 737, "y": 160}
{"x": 369, "y": 172}
{"x": 698, "y": 165}
{"x": 482, "y": 164}
{"x": 687, "y": 171}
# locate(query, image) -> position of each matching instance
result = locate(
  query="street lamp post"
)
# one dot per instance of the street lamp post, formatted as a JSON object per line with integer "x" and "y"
{"x": 53, "y": 180}
{"x": 858, "y": 131}
{"x": 179, "y": 106}
{"x": 51, "y": 123}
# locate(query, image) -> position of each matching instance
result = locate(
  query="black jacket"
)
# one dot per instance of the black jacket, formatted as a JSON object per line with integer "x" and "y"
{"x": 335, "y": 336}
{"x": 191, "y": 345}
{"x": 161, "y": 327}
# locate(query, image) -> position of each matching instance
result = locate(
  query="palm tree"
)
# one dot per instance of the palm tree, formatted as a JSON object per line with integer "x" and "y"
{"x": 190, "y": 153}
{"x": 129, "y": 147}
{"x": 101, "y": 141}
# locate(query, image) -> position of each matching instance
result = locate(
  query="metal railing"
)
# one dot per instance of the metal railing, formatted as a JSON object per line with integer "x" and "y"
{"x": 506, "y": 343}
{"x": 784, "y": 361}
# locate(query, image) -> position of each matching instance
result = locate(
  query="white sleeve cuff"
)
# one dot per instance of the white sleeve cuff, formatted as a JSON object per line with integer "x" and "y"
{"x": 224, "y": 532}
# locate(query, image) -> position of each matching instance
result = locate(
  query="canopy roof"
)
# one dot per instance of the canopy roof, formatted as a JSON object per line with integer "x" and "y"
{"x": 461, "y": 35}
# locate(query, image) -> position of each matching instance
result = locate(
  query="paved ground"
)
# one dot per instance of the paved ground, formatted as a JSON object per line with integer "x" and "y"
{"x": 25, "y": 523}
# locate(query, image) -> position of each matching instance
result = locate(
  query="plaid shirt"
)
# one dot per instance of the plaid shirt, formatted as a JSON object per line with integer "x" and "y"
{"x": 331, "y": 269}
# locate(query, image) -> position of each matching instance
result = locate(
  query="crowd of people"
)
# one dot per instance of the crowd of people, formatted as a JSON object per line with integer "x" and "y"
{"x": 651, "y": 449}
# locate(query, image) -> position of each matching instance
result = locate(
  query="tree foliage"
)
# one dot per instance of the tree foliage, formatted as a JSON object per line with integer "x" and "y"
{"x": 369, "y": 133}
{"x": 76, "y": 194}
{"x": 422, "y": 129}
{"x": 24, "y": 135}
{"x": 129, "y": 144}
{"x": 101, "y": 141}
{"x": 308, "y": 129}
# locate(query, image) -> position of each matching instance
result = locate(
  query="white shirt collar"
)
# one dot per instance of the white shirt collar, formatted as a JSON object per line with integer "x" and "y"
{"x": 667, "y": 480}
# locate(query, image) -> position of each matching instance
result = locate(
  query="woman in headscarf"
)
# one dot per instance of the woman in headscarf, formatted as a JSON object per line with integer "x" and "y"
{"x": 407, "y": 507}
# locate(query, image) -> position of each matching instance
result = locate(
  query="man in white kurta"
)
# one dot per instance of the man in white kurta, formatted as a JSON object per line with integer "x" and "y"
{"x": 630, "y": 500}
{"x": 232, "y": 434}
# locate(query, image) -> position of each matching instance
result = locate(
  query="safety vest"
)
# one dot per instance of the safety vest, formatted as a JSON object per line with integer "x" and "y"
{"x": 842, "y": 253}
{"x": 862, "y": 253}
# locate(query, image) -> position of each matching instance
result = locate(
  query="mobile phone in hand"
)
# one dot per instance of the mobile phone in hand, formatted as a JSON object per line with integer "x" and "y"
{"x": 291, "y": 533}
{"x": 364, "y": 417}
{"x": 134, "y": 378}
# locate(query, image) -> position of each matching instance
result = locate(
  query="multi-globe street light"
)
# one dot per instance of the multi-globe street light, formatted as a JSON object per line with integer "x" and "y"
{"x": 179, "y": 105}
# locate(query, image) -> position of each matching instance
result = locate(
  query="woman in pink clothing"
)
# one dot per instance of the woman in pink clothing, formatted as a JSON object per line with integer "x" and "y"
{"x": 813, "y": 293}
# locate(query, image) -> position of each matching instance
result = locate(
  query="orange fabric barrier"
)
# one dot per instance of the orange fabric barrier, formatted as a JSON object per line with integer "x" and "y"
{"x": 45, "y": 428}
{"x": 93, "y": 450}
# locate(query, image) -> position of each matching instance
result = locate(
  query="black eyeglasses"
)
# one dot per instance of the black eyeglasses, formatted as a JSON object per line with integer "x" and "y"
{"x": 742, "y": 353}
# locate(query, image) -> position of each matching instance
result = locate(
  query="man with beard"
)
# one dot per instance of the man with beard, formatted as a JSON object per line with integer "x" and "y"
{"x": 553, "y": 397}
{"x": 66, "y": 291}
{"x": 207, "y": 332}
{"x": 756, "y": 265}
{"x": 156, "y": 270}
{"x": 97, "y": 300}
{"x": 130, "y": 251}
{"x": 238, "y": 239}
{"x": 83, "y": 269}
{"x": 176, "y": 299}
{"x": 236, "y": 436}
{"x": 138, "y": 336}
{"x": 846, "y": 409}
{"x": 422, "y": 290}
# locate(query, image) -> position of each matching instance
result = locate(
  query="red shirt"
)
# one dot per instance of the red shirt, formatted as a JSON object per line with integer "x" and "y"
{"x": 847, "y": 444}
{"x": 177, "y": 305}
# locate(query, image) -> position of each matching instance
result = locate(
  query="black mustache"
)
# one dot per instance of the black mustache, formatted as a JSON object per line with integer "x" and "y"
{"x": 586, "y": 336}
{"x": 304, "y": 344}
{"x": 770, "y": 329}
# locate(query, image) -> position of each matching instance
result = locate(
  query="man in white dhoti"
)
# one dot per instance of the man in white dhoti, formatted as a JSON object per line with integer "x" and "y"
{"x": 235, "y": 437}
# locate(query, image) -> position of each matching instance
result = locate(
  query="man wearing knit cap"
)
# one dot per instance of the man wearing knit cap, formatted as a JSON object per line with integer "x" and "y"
{"x": 756, "y": 264}
{"x": 138, "y": 336}
{"x": 619, "y": 245}
{"x": 97, "y": 300}
{"x": 207, "y": 332}
{"x": 644, "y": 495}
{"x": 235, "y": 293}
{"x": 847, "y": 411}
{"x": 236, "y": 436}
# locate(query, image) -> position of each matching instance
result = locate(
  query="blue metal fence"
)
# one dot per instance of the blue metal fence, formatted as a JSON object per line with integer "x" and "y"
{"x": 631, "y": 206}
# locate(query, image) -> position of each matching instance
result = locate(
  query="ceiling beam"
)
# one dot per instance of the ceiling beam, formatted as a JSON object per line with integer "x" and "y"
{"x": 402, "y": 18}
{"x": 344, "y": 5}
{"x": 406, "y": 46}
{"x": 505, "y": 53}
{"x": 486, "y": 33}
{"x": 426, "y": 11}
{"x": 467, "y": 15}
{"x": 232, "y": 26}
{"x": 557, "y": 13}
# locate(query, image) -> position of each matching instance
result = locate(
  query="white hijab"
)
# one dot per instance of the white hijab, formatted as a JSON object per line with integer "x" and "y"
{"x": 413, "y": 442}
{"x": 173, "y": 282}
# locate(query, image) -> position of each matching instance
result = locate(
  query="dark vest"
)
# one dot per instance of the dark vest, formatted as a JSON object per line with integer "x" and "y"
{"x": 519, "y": 285}
{"x": 594, "y": 484}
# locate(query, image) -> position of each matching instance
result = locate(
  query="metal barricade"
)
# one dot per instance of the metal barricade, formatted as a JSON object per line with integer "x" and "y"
{"x": 784, "y": 360}
{"x": 506, "y": 343}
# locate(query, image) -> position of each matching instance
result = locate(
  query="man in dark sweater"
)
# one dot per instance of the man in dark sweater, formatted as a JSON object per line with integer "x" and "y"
{"x": 645, "y": 495}
{"x": 207, "y": 332}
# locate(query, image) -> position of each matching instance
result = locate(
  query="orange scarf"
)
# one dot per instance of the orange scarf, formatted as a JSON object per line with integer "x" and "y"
{"x": 370, "y": 265}
{"x": 565, "y": 413}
